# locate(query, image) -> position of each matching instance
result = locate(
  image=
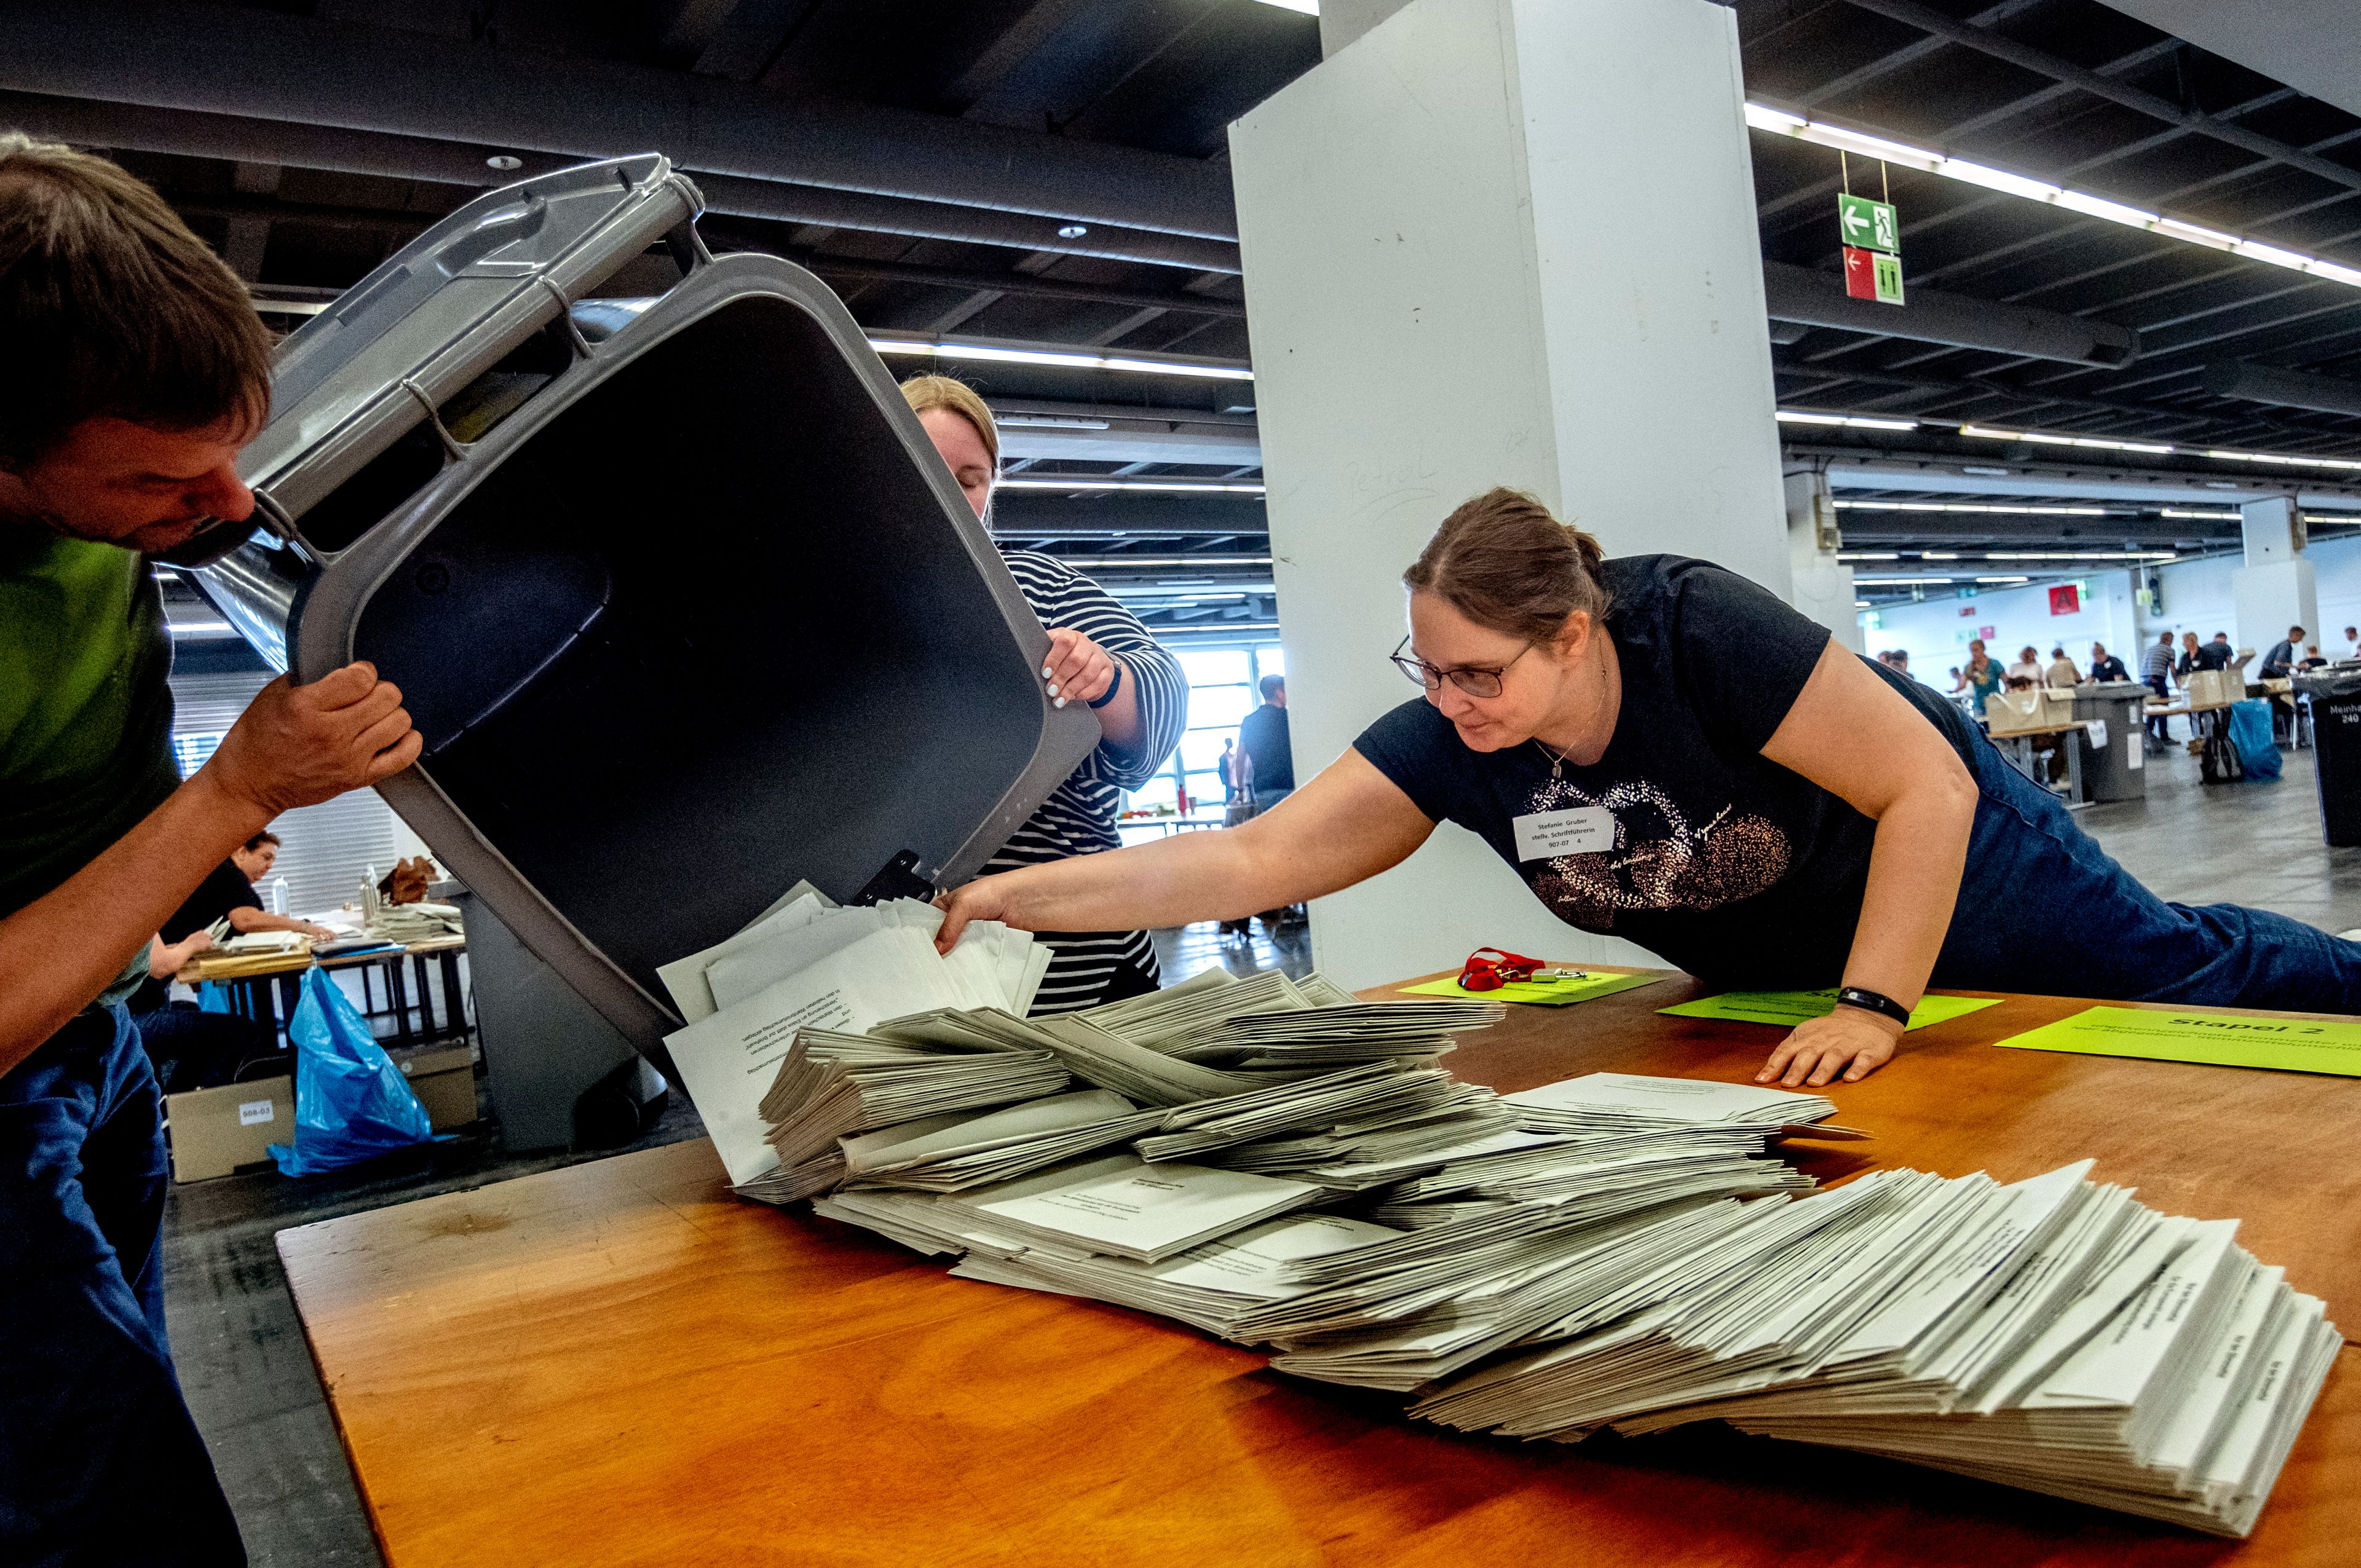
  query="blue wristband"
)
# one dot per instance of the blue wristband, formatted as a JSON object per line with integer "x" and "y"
{"x": 1116, "y": 687}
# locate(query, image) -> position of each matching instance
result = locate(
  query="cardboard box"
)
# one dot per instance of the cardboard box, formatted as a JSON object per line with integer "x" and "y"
{"x": 444, "y": 1079}
{"x": 2013, "y": 713}
{"x": 216, "y": 1132}
{"x": 2216, "y": 688}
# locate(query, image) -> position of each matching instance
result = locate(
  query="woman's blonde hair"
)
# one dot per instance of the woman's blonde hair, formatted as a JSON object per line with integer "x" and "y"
{"x": 1503, "y": 562}
{"x": 924, "y": 392}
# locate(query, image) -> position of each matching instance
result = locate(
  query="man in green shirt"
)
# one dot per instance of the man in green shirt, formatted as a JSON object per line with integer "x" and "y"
{"x": 136, "y": 368}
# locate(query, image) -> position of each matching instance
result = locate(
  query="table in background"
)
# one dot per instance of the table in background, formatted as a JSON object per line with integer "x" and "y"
{"x": 2072, "y": 735}
{"x": 266, "y": 991}
{"x": 1168, "y": 826}
{"x": 620, "y": 1363}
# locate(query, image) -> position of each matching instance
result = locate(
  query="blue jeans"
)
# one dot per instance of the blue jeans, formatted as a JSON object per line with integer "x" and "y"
{"x": 99, "y": 1460}
{"x": 2043, "y": 909}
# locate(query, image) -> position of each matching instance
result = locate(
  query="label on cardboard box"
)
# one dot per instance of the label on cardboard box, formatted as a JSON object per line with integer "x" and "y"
{"x": 251, "y": 1113}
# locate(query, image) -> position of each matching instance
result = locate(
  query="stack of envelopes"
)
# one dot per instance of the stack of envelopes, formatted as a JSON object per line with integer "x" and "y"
{"x": 2051, "y": 1334}
{"x": 947, "y": 1154}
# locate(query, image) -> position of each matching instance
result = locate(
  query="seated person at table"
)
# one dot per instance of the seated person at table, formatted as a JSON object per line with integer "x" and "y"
{"x": 188, "y": 1047}
{"x": 1667, "y": 752}
{"x": 227, "y": 893}
{"x": 2105, "y": 666}
{"x": 2027, "y": 668}
{"x": 2061, "y": 672}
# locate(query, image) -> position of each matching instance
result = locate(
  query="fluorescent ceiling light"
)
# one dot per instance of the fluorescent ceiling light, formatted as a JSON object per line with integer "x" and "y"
{"x": 2046, "y": 438}
{"x": 1894, "y": 582}
{"x": 1857, "y": 421}
{"x": 1307, "y": 7}
{"x": 1938, "y": 554}
{"x": 2081, "y": 555}
{"x": 1156, "y": 560}
{"x": 1046, "y": 422}
{"x": 2003, "y": 579}
{"x": 1869, "y": 555}
{"x": 2202, "y": 516}
{"x": 1778, "y": 122}
{"x": 2105, "y": 443}
{"x": 1175, "y": 486}
{"x": 1080, "y": 361}
{"x": 1969, "y": 506}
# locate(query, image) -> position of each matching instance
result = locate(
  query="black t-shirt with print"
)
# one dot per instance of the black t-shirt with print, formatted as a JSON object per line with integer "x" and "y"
{"x": 1725, "y": 863}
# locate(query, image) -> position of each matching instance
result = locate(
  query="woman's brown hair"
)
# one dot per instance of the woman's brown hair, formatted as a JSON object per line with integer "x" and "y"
{"x": 1503, "y": 562}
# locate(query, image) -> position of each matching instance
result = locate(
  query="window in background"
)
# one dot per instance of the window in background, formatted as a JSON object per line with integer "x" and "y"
{"x": 1222, "y": 685}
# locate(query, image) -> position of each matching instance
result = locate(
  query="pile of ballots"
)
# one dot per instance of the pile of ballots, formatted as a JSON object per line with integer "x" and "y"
{"x": 1279, "y": 1165}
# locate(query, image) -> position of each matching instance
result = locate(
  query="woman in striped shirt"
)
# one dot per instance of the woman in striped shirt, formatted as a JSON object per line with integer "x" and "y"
{"x": 1100, "y": 654}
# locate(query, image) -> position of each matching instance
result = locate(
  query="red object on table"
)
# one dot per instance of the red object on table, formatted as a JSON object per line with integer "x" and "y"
{"x": 1481, "y": 973}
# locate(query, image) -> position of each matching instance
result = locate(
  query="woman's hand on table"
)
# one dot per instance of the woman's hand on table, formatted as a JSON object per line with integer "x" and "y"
{"x": 1076, "y": 669}
{"x": 1849, "y": 1040}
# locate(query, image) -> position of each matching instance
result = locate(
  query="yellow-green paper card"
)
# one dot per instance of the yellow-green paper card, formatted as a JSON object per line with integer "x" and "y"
{"x": 2284, "y": 1045}
{"x": 1790, "y": 1008}
{"x": 1553, "y": 993}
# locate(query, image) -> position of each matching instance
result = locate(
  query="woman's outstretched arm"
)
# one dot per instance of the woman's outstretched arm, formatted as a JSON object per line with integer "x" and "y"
{"x": 1346, "y": 825}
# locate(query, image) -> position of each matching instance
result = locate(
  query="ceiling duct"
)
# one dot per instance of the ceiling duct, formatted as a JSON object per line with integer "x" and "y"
{"x": 269, "y": 66}
{"x": 2284, "y": 389}
{"x": 240, "y": 139}
{"x": 1818, "y": 299}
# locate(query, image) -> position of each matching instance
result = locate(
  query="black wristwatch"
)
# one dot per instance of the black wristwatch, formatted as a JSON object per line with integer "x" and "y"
{"x": 1873, "y": 1001}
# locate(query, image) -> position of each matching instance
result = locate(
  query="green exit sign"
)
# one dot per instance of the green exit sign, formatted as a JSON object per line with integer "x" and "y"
{"x": 1872, "y": 226}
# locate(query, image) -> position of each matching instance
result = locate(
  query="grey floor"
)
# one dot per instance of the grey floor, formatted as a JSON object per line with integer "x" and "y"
{"x": 250, "y": 1381}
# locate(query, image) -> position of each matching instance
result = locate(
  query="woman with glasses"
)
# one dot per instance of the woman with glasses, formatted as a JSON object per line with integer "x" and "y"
{"x": 1100, "y": 656}
{"x": 1667, "y": 752}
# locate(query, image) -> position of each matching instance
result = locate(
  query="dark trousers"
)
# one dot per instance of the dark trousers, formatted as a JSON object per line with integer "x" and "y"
{"x": 2160, "y": 728}
{"x": 191, "y": 1049}
{"x": 2033, "y": 871}
{"x": 100, "y": 1462}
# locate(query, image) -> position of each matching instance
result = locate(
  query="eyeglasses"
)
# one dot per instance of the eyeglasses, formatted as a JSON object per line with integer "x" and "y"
{"x": 1473, "y": 679}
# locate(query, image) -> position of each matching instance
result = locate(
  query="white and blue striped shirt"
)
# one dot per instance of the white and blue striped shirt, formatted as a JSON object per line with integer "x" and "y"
{"x": 1080, "y": 818}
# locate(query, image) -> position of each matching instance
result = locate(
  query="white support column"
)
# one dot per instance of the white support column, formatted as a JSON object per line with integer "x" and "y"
{"x": 1496, "y": 242}
{"x": 2275, "y": 589}
{"x": 1823, "y": 585}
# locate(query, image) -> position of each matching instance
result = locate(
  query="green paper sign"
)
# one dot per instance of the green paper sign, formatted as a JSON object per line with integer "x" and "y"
{"x": 1872, "y": 226}
{"x": 1553, "y": 993}
{"x": 1789, "y": 1008}
{"x": 2282, "y": 1044}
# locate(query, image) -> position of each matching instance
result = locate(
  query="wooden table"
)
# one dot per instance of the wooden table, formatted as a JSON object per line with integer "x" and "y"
{"x": 2071, "y": 735}
{"x": 620, "y": 1363}
{"x": 273, "y": 1004}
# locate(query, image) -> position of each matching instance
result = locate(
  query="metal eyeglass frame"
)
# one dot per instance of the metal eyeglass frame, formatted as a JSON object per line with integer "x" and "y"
{"x": 1470, "y": 678}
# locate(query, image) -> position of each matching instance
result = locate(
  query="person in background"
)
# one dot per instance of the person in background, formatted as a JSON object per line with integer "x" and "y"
{"x": 2216, "y": 655}
{"x": 1228, "y": 764}
{"x": 2352, "y": 643}
{"x": 2027, "y": 668}
{"x": 2105, "y": 666}
{"x": 2061, "y": 672}
{"x": 2188, "y": 664}
{"x": 2279, "y": 662}
{"x": 1900, "y": 663}
{"x": 137, "y": 368}
{"x": 2155, "y": 669}
{"x": 1263, "y": 743}
{"x": 189, "y": 1048}
{"x": 1099, "y": 654}
{"x": 1981, "y": 677}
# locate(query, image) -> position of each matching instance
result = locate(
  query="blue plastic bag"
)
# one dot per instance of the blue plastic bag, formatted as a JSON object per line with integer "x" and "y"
{"x": 213, "y": 996}
{"x": 351, "y": 1103}
{"x": 2250, "y": 732}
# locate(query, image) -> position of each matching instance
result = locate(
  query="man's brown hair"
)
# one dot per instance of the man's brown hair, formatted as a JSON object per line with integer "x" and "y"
{"x": 110, "y": 306}
{"x": 260, "y": 839}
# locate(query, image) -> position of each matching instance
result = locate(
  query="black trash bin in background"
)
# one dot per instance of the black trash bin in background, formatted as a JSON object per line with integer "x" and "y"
{"x": 2114, "y": 761}
{"x": 2335, "y": 698}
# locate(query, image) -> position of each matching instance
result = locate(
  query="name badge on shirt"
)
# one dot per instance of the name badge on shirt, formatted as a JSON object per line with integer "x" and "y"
{"x": 1577, "y": 831}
